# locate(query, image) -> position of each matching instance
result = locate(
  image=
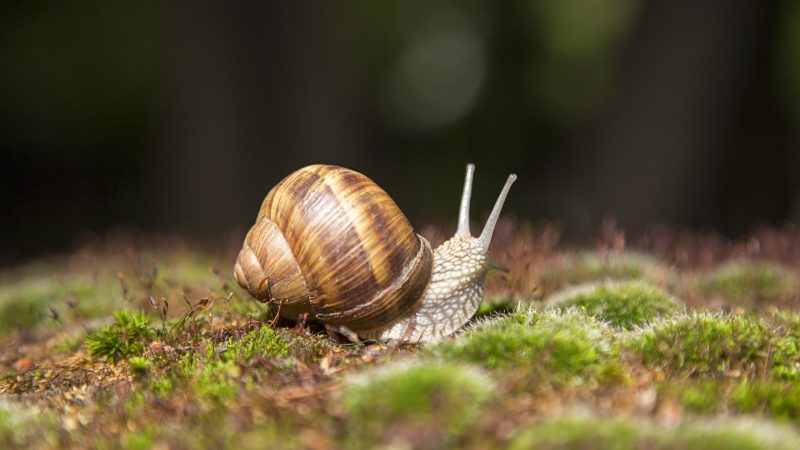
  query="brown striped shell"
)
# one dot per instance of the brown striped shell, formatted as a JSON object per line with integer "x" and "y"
{"x": 330, "y": 242}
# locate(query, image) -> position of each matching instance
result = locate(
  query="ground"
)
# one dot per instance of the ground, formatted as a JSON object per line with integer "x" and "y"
{"x": 674, "y": 341}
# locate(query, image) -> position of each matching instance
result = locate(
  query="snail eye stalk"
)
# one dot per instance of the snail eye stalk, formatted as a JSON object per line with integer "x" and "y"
{"x": 463, "y": 211}
{"x": 488, "y": 230}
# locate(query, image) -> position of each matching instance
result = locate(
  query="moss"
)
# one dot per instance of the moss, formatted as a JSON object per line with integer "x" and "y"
{"x": 779, "y": 399}
{"x": 563, "y": 344}
{"x": 703, "y": 397}
{"x": 22, "y": 427}
{"x": 494, "y": 308}
{"x": 748, "y": 283}
{"x": 583, "y": 433}
{"x": 127, "y": 336}
{"x": 26, "y": 303}
{"x": 712, "y": 345}
{"x": 162, "y": 387}
{"x": 438, "y": 397}
{"x": 622, "y": 304}
{"x": 138, "y": 364}
{"x": 217, "y": 381}
{"x": 704, "y": 344}
{"x": 588, "y": 432}
{"x": 590, "y": 266}
{"x": 263, "y": 342}
{"x": 738, "y": 434}
{"x": 139, "y": 440}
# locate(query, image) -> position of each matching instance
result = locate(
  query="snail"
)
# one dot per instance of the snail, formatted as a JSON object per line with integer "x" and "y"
{"x": 330, "y": 242}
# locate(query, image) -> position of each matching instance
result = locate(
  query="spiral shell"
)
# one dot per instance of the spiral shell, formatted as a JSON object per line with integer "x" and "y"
{"x": 329, "y": 241}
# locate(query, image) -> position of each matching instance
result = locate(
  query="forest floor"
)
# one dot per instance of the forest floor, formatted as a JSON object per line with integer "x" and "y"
{"x": 672, "y": 341}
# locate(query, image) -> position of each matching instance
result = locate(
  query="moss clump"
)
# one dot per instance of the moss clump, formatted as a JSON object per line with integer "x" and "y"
{"x": 748, "y": 283}
{"x": 583, "y": 433}
{"x": 588, "y": 432}
{"x": 434, "y": 397}
{"x": 780, "y": 399}
{"x": 622, "y": 304}
{"x": 710, "y": 345}
{"x": 127, "y": 336}
{"x": 704, "y": 344}
{"x": 494, "y": 308}
{"x": 263, "y": 342}
{"x": 25, "y": 303}
{"x": 563, "y": 344}
{"x": 218, "y": 372}
{"x": 139, "y": 365}
{"x": 22, "y": 427}
{"x": 591, "y": 266}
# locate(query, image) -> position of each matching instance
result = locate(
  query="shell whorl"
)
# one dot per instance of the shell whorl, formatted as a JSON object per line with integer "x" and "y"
{"x": 362, "y": 263}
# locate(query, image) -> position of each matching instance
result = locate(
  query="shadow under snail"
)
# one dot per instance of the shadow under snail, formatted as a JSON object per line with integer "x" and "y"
{"x": 330, "y": 242}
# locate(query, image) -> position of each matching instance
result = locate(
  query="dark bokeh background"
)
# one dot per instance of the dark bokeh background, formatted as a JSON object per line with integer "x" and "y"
{"x": 179, "y": 116}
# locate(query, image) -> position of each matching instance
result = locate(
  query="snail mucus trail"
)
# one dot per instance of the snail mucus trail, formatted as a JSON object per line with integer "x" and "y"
{"x": 331, "y": 243}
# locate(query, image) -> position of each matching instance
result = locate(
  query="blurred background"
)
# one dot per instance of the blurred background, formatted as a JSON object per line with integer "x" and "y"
{"x": 178, "y": 117}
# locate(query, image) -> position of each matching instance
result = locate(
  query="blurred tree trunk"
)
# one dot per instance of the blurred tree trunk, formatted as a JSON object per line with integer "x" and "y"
{"x": 248, "y": 89}
{"x": 688, "y": 79}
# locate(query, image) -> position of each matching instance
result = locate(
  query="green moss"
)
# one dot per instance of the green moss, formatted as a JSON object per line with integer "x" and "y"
{"x": 583, "y": 433}
{"x": 128, "y": 336}
{"x": 263, "y": 342}
{"x": 703, "y": 397}
{"x": 710, "y": 345}
{"x": 494, "y": 308}
{"x": 704, "y": 344}
{"x": 563, "y": 344}
{"x": 35, "y": 298}
{"x": 217, "y": 381}
{"x": 736, "y": 434}
{"x": 779, "y": 399}
{"x": 622, "y": 304}
{"x": 162, "y": 387}
{"x": 138, "y": 364}
{"x": 590, "y": 266}
{"x": 588, "y": 432}
{"x": 429, "y": 396}
{"x": 22, "y": 427}
{"x": 749, "y": 283}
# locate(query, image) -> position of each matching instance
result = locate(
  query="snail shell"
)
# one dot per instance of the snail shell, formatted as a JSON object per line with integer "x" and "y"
{"x": 329, "y": 241}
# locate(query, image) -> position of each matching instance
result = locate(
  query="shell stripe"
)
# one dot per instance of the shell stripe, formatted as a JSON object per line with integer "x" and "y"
{"x": 352, "y": 246}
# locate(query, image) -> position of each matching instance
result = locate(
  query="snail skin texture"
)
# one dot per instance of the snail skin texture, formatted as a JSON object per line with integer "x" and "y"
{"x": 330, "y": 242}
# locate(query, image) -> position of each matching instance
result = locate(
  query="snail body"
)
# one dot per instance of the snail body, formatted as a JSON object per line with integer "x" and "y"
{"x": 330, "y": 242}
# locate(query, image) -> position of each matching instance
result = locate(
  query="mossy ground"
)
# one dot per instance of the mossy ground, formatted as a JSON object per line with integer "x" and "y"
{"x": 688, "y": 342}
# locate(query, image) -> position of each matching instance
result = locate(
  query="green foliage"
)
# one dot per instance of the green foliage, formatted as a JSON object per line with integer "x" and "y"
{"x": 709, "y": 345}
{"x": 705, "y": 396}
{"x": 582, "y": 433}
{"x": 622, "y": 304}
{"x": 263, "y": 342}
{"x": 779, "y": 399}
{"x": 592, "y": 433}
{"x": 432, "y": 396}
{"x": 217, "y": 381}
{"x": 493, "y": 308}
{"x": 27, "y": 302}
{"x": 704, "y": 344}
{"x": 162, "y": 387}
{"x": 22, "y": 427}
{"x": 563, "y": 344}
{"x": 216, "y": 373}
{"x": 590, "y": 266}
{"x": 138, "y": 364}
{"x": 127, "y": 336}
{"x": 752, "y": 283}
